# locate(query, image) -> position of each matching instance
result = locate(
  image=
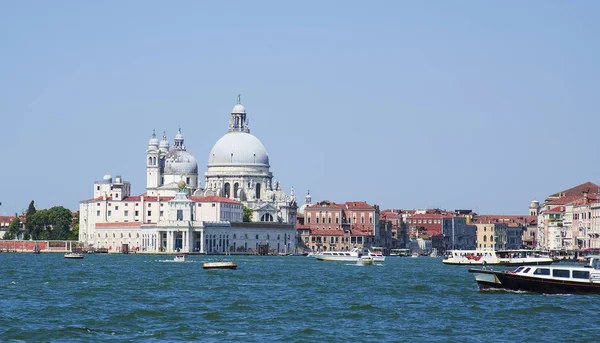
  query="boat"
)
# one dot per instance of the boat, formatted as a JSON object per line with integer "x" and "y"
{"x": 563, "y": 279}
{"x": 220, "y": 264}
{"x": 501, "y": 257}
{"x": 376, "y": 255}
{"x": 74, "y": 255}
{"x": 365, "y": 261}
{"x": 399, "y": 252}
{"x": 351, "y": 255}
{"x": 179, "y": 258}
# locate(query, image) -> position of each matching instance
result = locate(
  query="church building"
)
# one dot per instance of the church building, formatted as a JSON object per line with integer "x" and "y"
{"x": 177, "y": 214}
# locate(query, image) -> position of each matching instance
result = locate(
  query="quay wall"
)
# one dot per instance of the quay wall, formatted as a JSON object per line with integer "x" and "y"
{"x": 28, "y": 246}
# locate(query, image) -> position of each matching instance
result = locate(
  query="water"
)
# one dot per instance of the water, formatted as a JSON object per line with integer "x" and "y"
{"x": 273, "y": 299}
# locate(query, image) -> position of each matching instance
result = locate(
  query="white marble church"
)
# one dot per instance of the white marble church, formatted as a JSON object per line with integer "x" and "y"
{"x": 177, "y": 214}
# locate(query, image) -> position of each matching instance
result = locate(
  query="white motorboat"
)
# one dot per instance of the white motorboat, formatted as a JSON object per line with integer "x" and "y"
{"x": 365, "y": 261}
{"x": 500, "y": 257}
{"x": 560, "y": 279}
{"x": 74, "y": 255}
{"x": 179, "y": 258}
{"x": 351, "y": 255}
{"x": 377, "y": 256}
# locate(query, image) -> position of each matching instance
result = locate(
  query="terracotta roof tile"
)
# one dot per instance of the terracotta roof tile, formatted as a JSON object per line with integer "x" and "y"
{"x": 578, "y": 190}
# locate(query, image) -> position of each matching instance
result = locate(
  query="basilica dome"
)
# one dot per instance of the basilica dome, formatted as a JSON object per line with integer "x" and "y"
{"x": 179, "y": 162}
{"x": 238, "y": 148}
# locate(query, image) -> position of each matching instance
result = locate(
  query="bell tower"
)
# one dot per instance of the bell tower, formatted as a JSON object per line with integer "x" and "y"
{"x": 152, "y": 165}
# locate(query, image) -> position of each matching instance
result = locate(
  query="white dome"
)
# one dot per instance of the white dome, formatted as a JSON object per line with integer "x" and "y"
{"x": 107, "y": 177}
{"x": 153, "y": 141}
{"x": 238, "y": 108}
{"x": 178, "y": 162}
{"x": 164, "y": 143}
{"x": 238, "y": 148}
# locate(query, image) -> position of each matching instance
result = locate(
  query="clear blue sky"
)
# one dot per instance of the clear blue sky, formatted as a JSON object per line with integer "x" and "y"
{"x": 452, "y": 104}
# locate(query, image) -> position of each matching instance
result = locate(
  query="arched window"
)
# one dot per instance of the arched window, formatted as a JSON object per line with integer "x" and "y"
{"x": 258, "y": 191}
{"x": 236, "y": 187}
{"x": 484, "y": 238}
{"x": 227, "y": 190}
{"x": 154, "y": 160}
{"x": 267, "y": 217}
{"x": 149, "y": 160}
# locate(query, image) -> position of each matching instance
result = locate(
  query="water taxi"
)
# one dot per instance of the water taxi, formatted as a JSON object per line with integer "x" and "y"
{"x": 500, "y": 257}
{"x": 562, "y": 279}
{"x": 352, "y": 255}
{"x": 376, "y": 255}
{"x": 74, "y": 255}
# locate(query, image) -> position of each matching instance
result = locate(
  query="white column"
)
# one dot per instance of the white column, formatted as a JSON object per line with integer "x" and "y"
{"x": 202, "y": 241}
{"x": 184, "y": 241}
{"x": 170, "y": 241}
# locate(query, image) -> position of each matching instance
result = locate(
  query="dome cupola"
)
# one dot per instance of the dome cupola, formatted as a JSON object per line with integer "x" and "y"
{"x": 153, "y": 142}
{"x": 238, "y": 146}
{"x": 164, "y": 144}
{"x": 178, "y": 160}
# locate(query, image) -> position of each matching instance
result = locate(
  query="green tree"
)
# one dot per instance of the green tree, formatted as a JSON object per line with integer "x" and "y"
{"x": 28, "y": 222}
{"x": 61, "y": 221}
{"x": 13, "y": 228}
{"x": 75, "y": 232}
{"x": 247, "y": 214}
{"x": 41, "y": 225}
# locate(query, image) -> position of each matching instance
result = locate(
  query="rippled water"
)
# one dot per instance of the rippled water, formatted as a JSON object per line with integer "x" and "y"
{"x": 284, "y": 299}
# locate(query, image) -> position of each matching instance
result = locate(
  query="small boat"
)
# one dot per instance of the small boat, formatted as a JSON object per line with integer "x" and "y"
{"x": 414, "y": 255}
{"x": 543, "y": 279}
{"x": 376, "y": 255}
{"x": 74, "y": 255}
{"x": 219, "y": 265}
{"x": 365, "y": 261}
{"x": 179, "y": 258}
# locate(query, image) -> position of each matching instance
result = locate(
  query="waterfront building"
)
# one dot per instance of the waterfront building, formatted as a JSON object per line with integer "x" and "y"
{"x": 393, "y": 222}
{"x": 500, "y": 232}
{"x": 457, "y": 233}
{"x": 177, "y": 214}
{"x": 568, "y": 220}
{"x": 333, "y": 226}
{"x": 426, "y": 224}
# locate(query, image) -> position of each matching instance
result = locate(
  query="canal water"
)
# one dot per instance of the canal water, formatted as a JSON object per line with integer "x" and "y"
{"x": 273, "y": 299}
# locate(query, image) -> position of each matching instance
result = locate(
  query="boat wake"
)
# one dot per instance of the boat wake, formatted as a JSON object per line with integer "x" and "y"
{"x": 502, "y": 290}
{"x": 173, "y": 261}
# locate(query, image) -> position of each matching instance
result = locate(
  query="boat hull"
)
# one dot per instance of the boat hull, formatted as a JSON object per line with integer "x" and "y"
{"x": 336, "y": 258}
{"x": 74, "y": 257}
{"x": 219, "y": 265}
{"x": 500, "y": 263}
{"x": 502, "y": 280}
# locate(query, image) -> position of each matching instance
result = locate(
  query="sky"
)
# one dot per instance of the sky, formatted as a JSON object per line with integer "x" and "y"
{"x": 482, "y": 105}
